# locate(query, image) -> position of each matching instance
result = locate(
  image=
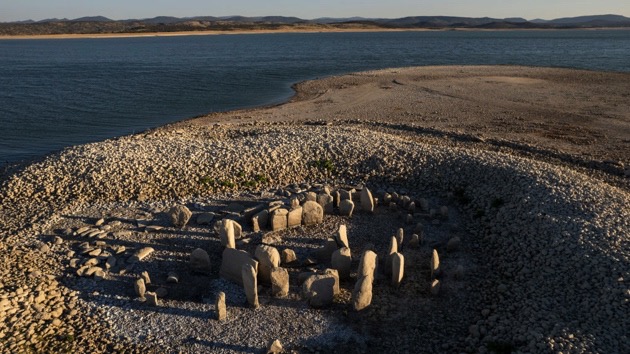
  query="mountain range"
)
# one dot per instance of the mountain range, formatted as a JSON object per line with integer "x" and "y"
{"x": 100, "y": 24}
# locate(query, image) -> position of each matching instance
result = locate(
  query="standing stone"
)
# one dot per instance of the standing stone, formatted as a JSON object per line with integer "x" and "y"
{"x": 398, "y": 268}
{"x": 145, "y": 276}
{"x": 250, "y": 285}
{"x": 405, "y": 201}
{"x": 400, "y": 235}
{"x": 260, "y": 220}
{"x": 435, "y": 264}
{"x": 326, "y": 201}
{"x": 221, "y": 309}
{"x": 362, "y": 293}
{"x": 336, "y": 198}
{"x": 367, "y": 266}
{"x": 227, "y": 233}
{"x": 295, "y": 202}
{"x": 346, "y": 207}
{"x": 232, "y": 262}
{"x": 140, "y": 287}
{"x": 152, "y": 298}
{"x": 453, "y": 244}
{"x": 288, "y": 256}
{"x": 335, "y": 274}
{"x": 279, "y": 282}
{"x": 279, "y": 219}
{"x": 342, "y": 261}
{"x": 342, "y": 237}
{"x": 324, "y": 254}
{"x": 200, "y": 261}
{"x": 179, "y": 215}
{"x": 435, "y": 287}
{"x": 313, "y": 213}
{"x": 274, "y": 347}
{"x": 393, "y": 248}
{"x": 311, "y": 197}
{"x": 415, "y": 241}
{"x": 367, "y": 202}
{"x": 319, "y": 290}
{"x": 268, "y": 258}
{"x": 294, "y": 218}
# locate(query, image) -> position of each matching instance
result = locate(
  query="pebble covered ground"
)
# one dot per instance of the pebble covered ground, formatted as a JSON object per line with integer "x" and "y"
{"x": 544, "y": 248}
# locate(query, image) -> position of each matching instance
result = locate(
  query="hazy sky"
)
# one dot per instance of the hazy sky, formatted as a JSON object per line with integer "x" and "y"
{"x": 12, "y": 10}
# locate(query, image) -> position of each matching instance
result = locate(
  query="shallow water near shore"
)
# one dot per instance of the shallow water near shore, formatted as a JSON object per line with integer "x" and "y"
{"x": 58, "y": 93}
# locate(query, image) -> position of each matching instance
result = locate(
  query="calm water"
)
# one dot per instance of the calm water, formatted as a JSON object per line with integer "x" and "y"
{"x": 57, "y": 93}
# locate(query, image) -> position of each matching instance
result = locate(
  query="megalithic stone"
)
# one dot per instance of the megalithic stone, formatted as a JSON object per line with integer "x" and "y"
{"x": 398, "y": 268}
{"x": 250, "y": 285}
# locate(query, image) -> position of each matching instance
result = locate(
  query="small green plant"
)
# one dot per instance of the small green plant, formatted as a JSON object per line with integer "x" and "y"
{"x": 206, "y": 181}
{"x": 323, "y": 165}
{"x": 497, "y": 203}
{"x": 226, "y": 183}
{"x": 261, "y": 178}
{"x": 69, "y": 338}
{"x": 250, "y": 184}
{"x": 241, "y": 174}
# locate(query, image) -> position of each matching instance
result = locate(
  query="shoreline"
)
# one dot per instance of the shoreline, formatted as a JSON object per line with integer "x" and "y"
{"x": 283, "y": 31}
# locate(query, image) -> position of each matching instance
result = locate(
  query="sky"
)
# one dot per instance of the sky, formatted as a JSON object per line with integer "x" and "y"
{"x": 17, "y": 10}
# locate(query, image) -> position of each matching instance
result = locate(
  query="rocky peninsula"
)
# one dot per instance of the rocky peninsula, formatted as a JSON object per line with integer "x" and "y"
{"x": 449, "y": 209}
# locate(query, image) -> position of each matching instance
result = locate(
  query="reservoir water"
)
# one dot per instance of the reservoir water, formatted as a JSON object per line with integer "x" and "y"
{"x": 58, "y": 93}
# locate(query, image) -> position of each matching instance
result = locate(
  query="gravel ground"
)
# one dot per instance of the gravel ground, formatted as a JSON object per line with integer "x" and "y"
{"x": 544, "y": 248}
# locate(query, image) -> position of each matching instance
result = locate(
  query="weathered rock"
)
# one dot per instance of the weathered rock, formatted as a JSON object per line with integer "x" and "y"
{"x": 324, "y": 254}
{"x": 274, "y": 347}
{"x": 392, "y": 249}
{"x": 435, "y": 264}
{"x": 318, "y": 290}
{"x": 398, "y": 268}
{"x": 140, "y": 287}
{"x": 200, "y": 261}
{"x": 172, "y": 277}
{"x": 145, "y": 276}
{"x": 367, "y": 201}
{"x": 260, "y": 220}
{"x": 367, "y": 266}
{"x": 412, "y": 208}
{"x": 220, "y": 308}
{"x": 294, "y": 218}
{"x": 342, "y": 237}
{"x": 152, "y": 298}
{"x": 179, "y": 215}
{"x": 362, "y": 293}
{"x": 288, "y": 256}
{"x": 415, "y": 241}
{"x": 313, "y": 213}
{"x": 268, "y": 258}
{"x": 250, "y": 285}
{"x": 161, "y": 292}
{"x": 311, "y": 197}
{"x": 346, "y": 206}
{"x": 400, "y": 235}
{"x": 279, "y": 219}
{"x": 345, "y": 194}
{"x": 141, "y": 254}
{"x": 279, "y": 282}
{"x": 435, "y": 287}
{"x": 205, "y": 218}
{"x": 232, "y": 263}
{"x": 327, "y": 202}
{"x": 342, "y": 261}
{"x": 227, "y": 232}
{"x": 335, "y": 274}
{"x": 453, "y": 244}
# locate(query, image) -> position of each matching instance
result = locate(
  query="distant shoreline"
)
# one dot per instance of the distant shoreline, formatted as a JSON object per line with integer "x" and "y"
{"x": 293, "y": 30}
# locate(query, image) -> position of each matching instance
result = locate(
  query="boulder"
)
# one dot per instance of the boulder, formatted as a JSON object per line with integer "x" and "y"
{"x": 342, "y": 262}
{"x": 232, "y": 263}
{"x": 319, "y": 290}
{"x": 274, "y": 347}
{"x": 362, "y": 293}
{"x": 279, "y": 219}
{"x": 313, "y": 213}
{"x": 220, "y": 308}
{"x": 200, "y": 261}
{"x": 346, "y": 207}
{"x": 227, "y": 232}
{"x": 279, "y": 282}
{"x": 398, "y": 268}
{"x": 311, "y": 197}
{"x": 294, "y": 218}
{"x": 179, "y": 215}
{"x": 260, "y": 220}
{"x": 250, "y": 285}
{"x": 367, "y": 201}
{"x": 435, "y": 287}
{"x": 268, "y": 258}
{"x": 288, "y": 256}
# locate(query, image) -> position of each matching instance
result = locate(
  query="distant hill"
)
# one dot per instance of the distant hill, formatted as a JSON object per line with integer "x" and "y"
{"x": 100, "y": 24}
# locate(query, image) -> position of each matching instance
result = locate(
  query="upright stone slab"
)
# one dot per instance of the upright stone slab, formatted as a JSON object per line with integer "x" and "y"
{"x": 342, "y": 261}
{"x": 393, "y": 248}
{"x": 294, "y": 218}
{"x": 220, "y": 308}
{"x": 400, "y": 235}
{"x": 279, "y": 219}
{"x": 326, "y": 201}
{"x": 200, "y": 261}
{"x": 152, "y": 298}
{"x": 140, "y": 287}
{"x": 342, "y": 237}
{"x": 250, "y": 285}
{"x": 335, "y": 274}
{"x": 435, "y": 287}
{"x": 268, "y": 258}
{"x": 313, "y": 213}
{"x": 367, "y": 201}
{"x": 279, "y": 282}
{"x": 227, "y": 233}
{"x": 367, "y": 266}
{"x": 362, "y": 293}
{"x": 345, "y": 194}
{"x": 336, "y": 198}
{"x": 346, "y": 207}
{"x": 435, "y": 264}
{"x": 311, "y": 197}
{"x": 232, "y": 263}
{"x": 260, "y": 220}
{"x": 398, "y": 268}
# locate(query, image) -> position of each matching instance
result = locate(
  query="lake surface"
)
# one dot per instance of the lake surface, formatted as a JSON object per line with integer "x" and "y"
{"x": 58, "y": 93}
